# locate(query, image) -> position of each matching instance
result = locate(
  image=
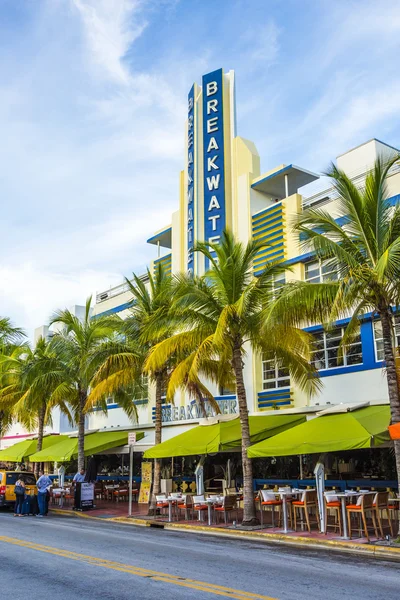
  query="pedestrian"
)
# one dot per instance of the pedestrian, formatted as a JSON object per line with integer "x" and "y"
{"x": 43, "y": 485}
{"x": 79, "y": 477}
{"x": 19, "y": 491}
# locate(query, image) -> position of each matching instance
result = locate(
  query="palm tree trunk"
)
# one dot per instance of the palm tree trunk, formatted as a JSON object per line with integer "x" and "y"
{"x": 42, "y": 413}
{"x": 392, "y": 381}
{"x": 157, "y": 440}
{"x": 81, "y": 429}
{"x": 249, "y": 509}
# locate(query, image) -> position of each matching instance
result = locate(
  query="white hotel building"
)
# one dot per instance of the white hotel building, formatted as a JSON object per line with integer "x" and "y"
{"x": 220, "y": 186}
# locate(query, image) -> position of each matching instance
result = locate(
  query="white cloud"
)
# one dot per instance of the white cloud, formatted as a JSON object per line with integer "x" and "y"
{"x": 110, "y": 29}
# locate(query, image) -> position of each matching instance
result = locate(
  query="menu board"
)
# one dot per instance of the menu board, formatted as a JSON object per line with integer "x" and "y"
{"x": 85, "y": 495}
{"x": 145, "y": 486}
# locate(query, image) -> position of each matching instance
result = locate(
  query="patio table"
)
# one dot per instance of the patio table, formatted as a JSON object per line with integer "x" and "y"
{"x": 61, "y": 492}
{"x": 343, "y": 496}
{"x": 284, "y": 495}
{"x": 210, "y": 504}
{"x": 172, "y": 500}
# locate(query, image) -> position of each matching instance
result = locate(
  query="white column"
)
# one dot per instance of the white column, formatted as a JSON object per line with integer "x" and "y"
{"x": 286, "y": 186}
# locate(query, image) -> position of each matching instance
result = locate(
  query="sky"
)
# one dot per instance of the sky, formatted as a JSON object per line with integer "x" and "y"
{"x": 92, "y": 110}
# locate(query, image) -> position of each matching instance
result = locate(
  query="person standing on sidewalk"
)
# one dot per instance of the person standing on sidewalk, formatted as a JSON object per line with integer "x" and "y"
{"x": 19, "y": 491}
{"x": 79, "y": 477}
{"x": 43, "y": 485}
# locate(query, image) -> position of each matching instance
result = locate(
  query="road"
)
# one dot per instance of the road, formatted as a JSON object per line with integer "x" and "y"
{"x": 73, "y": 558}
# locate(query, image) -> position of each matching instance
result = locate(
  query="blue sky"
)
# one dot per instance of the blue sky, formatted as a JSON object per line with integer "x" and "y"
{"x": 92, "y": 108}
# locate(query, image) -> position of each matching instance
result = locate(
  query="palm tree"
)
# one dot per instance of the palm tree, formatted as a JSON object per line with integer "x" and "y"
{"x": 35, "y": 382}
{"x": 11, "y": 342}
{"x": 81, "y": 347}
{"x": 150, "y": 321}
{"x": 222, "y": 314}
{"x": 9, "y": 333}
{"x": 365, "y": 252}
{"x": 12, "y": 357}
{"x": 187, "y": 375}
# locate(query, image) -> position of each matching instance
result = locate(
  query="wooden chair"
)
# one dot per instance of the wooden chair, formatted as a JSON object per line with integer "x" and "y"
{"x": 268, "y": 500}
{"x": 381, "y": 505}
{"x": 199, "y": 504}
{"x": 364, "y": 505}
{"x": 332, "y": 504}
{"x": 229, "y": 504}
{"x": 307, "y": 503}
{"x": 98, "y": 490}
{"x": 394, "y": 508}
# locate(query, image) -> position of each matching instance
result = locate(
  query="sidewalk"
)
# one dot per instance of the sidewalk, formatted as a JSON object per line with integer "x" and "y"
{"x": 118, "y": 512}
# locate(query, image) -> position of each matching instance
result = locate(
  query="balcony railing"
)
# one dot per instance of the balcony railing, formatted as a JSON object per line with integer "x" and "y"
{"x": 328, "y": 194}
{"x": 116, "y": 291}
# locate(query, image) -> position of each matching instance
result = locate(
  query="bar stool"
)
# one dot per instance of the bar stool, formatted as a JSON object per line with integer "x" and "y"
{"x": 269, "y": 500}
{"x": 308, "y": 501}
{"x": 381, "y": 504}
{"x": 332, "y": 503}
{"x": 364, "y": 505}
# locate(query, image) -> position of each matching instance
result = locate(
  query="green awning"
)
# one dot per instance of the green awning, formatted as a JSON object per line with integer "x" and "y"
{"x": 226, "y": 435}
{"x": 362, "y": 428}
{"x": 21, "y": 451}
{"x": 95, "y": 443}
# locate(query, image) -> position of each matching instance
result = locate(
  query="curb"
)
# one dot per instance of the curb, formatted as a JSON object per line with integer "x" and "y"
{"x": 277, "y": 538}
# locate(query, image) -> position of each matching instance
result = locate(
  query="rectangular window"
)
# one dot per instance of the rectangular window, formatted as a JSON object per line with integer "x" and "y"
{"x": 145, "y": 390}
{"x": 325, "y": 350}
{"x": 274, "y": 375}
{"x": 320, "y": 270}
{"x": 378, "y": 337}
{"x": 277, "y": 282}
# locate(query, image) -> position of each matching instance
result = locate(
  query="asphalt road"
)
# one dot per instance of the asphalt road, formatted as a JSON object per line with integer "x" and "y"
{"x": 78, "y": 559}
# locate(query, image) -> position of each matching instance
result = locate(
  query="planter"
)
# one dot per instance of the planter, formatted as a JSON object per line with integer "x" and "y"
{"x": 166, "y": 486}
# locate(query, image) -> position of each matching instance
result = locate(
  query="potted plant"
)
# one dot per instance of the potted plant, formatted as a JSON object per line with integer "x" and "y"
{"x": 166, "y": 480}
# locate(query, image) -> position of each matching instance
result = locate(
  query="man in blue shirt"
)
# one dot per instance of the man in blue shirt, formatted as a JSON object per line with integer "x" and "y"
{"x": 43, "y": 484}
{"x": 79, "y": 477}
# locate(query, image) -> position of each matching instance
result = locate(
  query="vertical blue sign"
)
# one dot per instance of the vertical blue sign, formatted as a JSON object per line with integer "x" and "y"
{"x": 190, "y": 181}
{"x": 213, "y": 155}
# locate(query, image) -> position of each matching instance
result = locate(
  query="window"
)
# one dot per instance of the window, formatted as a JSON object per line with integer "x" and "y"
{"x": 274, "y": 375}
{"x": 325, "y": 350}
{"x": 277, "y": 282}
{"x": 319, "y": 271}
{"x": 145, "y": 385}
{"x": 12, "y": 478}
{"x": 226, "y": 391}
{"x": 378, "y": 337}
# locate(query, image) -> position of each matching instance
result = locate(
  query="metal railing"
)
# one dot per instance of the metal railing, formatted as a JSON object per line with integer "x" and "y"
{"x": 329, "y": 194}
{"x": 116, "y": 290}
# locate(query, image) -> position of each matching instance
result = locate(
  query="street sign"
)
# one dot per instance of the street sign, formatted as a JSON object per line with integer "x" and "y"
{"x": 131, "y": 442}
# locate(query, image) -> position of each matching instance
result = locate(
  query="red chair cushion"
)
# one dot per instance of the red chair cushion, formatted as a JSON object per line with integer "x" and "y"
{"x": 332, "y": 504}
{"x": 272, "y": 502}
{"x": 354, "y": 507}
{"x": 298, "y": 503}
{"x": 200, "y": 507}
{"x": 162, "y": 504}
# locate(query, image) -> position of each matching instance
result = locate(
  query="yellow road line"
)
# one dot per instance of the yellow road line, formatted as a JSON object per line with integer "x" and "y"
{"x": 211, "y": 588}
